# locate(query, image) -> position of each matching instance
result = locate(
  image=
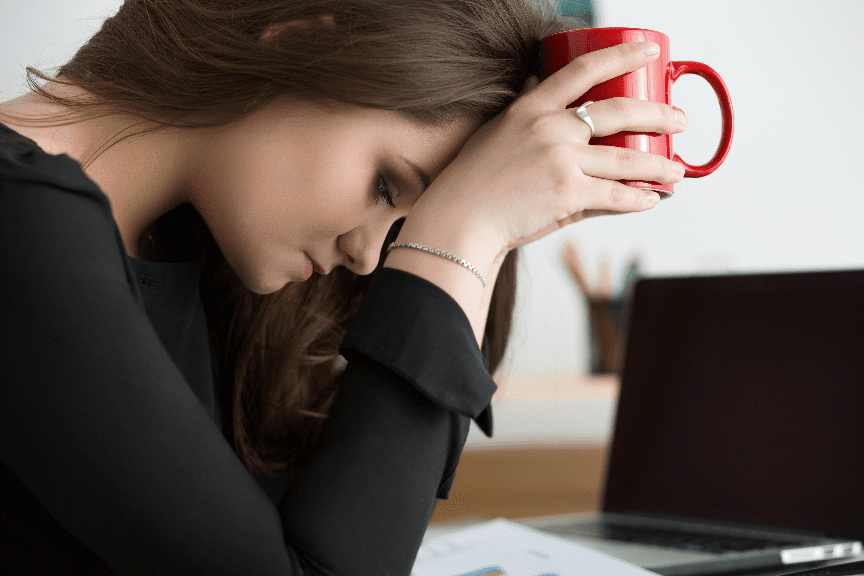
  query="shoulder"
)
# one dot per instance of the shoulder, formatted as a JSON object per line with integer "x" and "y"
{"x": 54, "y": 216}
{"x": 25, "y": 166}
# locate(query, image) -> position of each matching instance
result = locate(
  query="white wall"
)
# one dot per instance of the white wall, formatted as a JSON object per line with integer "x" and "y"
{"x": 44, "y": 34}
{"x": 788, "y": 196}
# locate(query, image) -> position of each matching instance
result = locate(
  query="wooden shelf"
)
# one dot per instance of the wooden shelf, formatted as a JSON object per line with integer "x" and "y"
{"x": 523, "y": 482}
{"x": 549, "y": 411}
{"x": 561, "y": 387}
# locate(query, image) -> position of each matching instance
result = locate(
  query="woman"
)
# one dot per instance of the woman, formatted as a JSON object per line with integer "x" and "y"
{"x": 157, "y": 285}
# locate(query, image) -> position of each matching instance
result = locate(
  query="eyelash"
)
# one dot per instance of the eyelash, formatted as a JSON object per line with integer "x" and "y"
{"x": 383, "y": 194}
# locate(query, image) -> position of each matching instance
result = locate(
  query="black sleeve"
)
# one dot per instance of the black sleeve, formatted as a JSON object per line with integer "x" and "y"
{"x": 98, "y": 423}
{"x": 393, "y": 444}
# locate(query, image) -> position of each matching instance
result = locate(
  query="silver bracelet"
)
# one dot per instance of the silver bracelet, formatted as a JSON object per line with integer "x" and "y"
{"x": 438, "y": 253}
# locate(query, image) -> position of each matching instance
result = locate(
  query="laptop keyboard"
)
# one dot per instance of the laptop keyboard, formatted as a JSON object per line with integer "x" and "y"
{"x": 665, "y": 538}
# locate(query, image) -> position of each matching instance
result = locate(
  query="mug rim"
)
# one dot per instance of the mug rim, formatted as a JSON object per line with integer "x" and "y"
{"x": 588, "y": 30}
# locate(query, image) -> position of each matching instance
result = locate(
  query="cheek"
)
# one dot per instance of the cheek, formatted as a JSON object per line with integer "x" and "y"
{"x": 265, "y": 206}
{"x": 249, "y": 211}
{"x": 338, "y": 193}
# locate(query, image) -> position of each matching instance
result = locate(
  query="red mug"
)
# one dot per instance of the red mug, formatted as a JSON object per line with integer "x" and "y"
{"x": 653, "y": 82}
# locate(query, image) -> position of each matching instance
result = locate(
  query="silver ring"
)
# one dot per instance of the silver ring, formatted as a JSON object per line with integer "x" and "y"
{"x": 583, "y": 114}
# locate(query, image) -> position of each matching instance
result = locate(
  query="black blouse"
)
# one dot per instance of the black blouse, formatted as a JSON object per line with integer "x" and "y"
{"x": 110, "y": 441}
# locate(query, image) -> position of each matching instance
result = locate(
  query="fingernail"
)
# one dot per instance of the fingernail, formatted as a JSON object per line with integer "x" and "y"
{"x": 653, "y": 197}
{"x": 650, "y": 48}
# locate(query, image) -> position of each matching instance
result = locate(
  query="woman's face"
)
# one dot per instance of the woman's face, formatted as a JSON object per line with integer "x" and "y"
{"x": 277, "y": 188}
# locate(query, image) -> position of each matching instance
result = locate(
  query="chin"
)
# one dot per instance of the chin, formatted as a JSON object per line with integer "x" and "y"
{"x": 266, "y": 288}
{"x": 256, "y": 278}
{"x": 262, "y": 285}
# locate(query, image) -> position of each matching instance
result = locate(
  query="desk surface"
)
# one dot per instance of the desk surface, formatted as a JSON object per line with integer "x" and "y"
{"x": 524, "y": 481}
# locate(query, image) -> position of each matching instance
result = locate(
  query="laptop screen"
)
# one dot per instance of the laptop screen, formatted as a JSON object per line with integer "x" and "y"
{"x": 742, "y": 399}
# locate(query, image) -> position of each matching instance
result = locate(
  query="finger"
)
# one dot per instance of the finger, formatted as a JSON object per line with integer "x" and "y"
{"x": 629, "y": 114}
{"x": 573, "y": 80}
{"x": 595, "y": 213}
{"x": 614, "y": 163}
{"x": 608, "y": 196}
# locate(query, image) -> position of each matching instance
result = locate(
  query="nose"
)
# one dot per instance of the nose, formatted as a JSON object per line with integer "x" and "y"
{"x": 361, "y": 246}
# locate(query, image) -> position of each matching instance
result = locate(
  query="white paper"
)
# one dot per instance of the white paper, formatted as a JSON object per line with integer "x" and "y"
{"x": 504, "y": 548}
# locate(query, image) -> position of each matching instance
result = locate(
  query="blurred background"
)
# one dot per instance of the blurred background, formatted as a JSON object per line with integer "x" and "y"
{"x": 788, "y": 197}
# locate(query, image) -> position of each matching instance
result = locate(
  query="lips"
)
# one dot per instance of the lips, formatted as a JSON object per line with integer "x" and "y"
{"x": 315, "y": 265}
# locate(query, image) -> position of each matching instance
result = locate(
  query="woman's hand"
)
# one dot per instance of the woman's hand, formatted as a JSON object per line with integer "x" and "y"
{"x": 530, "y": 170}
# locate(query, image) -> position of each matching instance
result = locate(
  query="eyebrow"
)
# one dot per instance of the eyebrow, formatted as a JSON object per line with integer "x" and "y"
{"x": 424, "y": 178}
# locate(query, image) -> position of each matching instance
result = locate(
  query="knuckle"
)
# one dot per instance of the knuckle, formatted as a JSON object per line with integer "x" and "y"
{"x": 618, "y": 193}
{"x": 542, "y": 126}
{"x": 560, "y": 163}
{"x": 559, "y": 154}
{"x": 629, "y": 160}
{"x": 583, "y": 64}
{"x": 567, "y": 182}
{"x": 621, "y": 106}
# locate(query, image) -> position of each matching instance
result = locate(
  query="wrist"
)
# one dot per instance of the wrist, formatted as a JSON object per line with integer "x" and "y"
{"x": 458, "y": 281}
{"x": 442, "y": 254}
{"x": 440, "y": 231}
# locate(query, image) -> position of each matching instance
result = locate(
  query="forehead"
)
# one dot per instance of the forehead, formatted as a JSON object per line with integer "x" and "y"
{"x": 391, "y": 122}
{"x": 373, "y": 133}
{"x": 401, "y": 126}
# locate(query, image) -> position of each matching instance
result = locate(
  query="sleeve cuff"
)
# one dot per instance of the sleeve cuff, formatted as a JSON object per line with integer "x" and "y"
{"x": 418, "y": 331}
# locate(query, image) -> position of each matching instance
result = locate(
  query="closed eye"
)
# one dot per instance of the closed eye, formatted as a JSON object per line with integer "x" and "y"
{"x": 382, "y": 190}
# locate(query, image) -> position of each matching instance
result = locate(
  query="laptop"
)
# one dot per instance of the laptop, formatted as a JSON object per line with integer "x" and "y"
{"x": 738, "y": 440}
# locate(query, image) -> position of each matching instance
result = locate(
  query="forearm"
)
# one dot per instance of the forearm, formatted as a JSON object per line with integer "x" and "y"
{"x": 395, "y": 432}
{"x": 458, "y": 281}
{"x": 363, "y": 503}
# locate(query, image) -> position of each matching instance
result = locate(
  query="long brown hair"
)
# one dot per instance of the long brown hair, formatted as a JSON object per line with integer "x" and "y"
{"x": 202, "y": 63}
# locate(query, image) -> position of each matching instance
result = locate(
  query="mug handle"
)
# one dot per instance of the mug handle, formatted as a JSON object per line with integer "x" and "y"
{"x": 678, "y": 69}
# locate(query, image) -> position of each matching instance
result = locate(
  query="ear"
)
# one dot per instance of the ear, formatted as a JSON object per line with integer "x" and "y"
{"x": 276, "y": 29}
